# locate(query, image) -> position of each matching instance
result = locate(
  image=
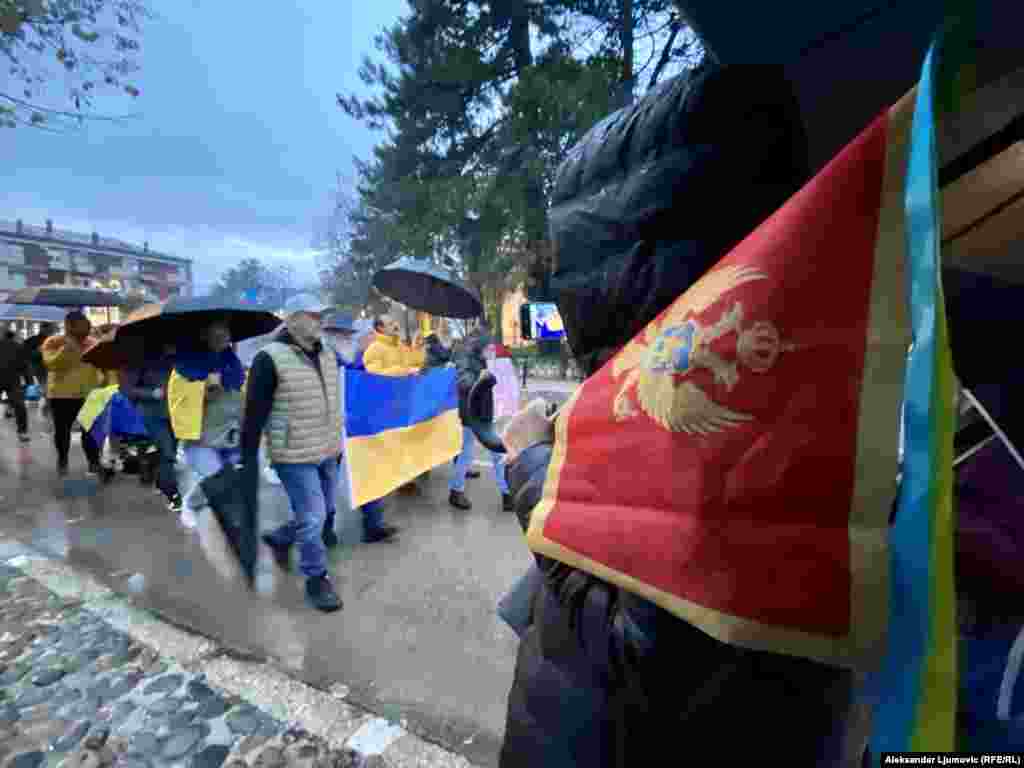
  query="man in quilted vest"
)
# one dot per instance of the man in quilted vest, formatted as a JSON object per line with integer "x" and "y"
{"x": 294, "y": 397}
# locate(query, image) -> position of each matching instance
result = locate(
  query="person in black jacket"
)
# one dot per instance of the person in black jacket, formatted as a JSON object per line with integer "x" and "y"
{"x": 14, "y": 377}
{"x": 471, "y": 365}
{"x": 146, "y": 387}
{"x": 437, "y": 354}
{"x": 652, "y": 198}
{"x": 33, "y": 346}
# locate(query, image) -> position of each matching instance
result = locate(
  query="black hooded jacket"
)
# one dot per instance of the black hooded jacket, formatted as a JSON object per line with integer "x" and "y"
{"x": 649, "y": 200}
{"x": 470, "y": 363}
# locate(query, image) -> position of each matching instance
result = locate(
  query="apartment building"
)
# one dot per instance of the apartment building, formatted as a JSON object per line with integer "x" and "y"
{"x": 36, "y": 256}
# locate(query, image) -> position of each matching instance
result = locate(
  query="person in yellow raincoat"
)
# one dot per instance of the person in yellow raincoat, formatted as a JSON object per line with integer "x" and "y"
{"x": 69, "y": 382}
{"x": 388, "y": 355}
{"x": 205, "y": 396}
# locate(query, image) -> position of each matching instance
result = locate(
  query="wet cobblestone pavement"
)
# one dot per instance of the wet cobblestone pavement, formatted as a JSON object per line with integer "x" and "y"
{"x": 76, "y": 692}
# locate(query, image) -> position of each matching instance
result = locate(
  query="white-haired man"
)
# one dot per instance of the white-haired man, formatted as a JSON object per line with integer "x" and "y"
{"x": 294, "y": 397}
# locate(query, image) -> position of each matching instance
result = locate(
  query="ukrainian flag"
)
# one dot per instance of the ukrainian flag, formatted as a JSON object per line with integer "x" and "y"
{"x": 398, "y": 428}
{"x": 107, "y": 412}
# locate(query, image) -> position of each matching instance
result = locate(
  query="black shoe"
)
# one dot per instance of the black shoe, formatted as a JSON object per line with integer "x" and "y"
{"x": 458, "y": 500}
{"x": 62, "y": 469}
{"x": 507, "y": 502}
{"x": 282, "y": 553}
{"x": 329, "y": 537}
{"x": 472, "y": 474}
{"x": 384, "y": 533}
{"x": 25, "y": 437}
{"x": 320, "y": 593}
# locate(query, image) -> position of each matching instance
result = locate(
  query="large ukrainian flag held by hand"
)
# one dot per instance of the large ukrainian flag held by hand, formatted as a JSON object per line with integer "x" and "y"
{"x": 398, "y": 428}
{"x": 761, "y": 410}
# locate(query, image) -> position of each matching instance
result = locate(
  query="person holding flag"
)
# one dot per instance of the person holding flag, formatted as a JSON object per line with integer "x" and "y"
{"x": 205, "y": 393}
{"x": 388, "y": 355}
{"x": 612, "y": 494}
{"x": 146, "y": 388}
{"x": 352, "y": 347}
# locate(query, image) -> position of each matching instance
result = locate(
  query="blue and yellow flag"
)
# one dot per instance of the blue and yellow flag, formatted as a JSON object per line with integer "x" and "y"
{"x": 398, "y": 428}
{"x": 917, "y": 686}
{"x": 107, "y": 412}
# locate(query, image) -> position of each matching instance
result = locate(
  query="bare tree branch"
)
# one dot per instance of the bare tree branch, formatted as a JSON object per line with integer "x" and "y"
{"x": 666, "y": 53}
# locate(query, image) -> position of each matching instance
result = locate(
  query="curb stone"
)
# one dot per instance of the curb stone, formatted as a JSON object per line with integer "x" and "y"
{"x": 92, "y": 681}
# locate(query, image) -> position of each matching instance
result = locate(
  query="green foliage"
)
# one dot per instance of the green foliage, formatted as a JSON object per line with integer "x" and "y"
{"x": 481, "y": 102}
{"x": 88, "y": 45}
{"x": 271, "y": 285}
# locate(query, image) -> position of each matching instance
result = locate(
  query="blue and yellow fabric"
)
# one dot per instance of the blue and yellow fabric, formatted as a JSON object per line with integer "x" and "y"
{"x": 185, "y": 400}
{"x": 186, "y": 389}
{"x": 398, "y": 427}
{"x": 107, "y": 412}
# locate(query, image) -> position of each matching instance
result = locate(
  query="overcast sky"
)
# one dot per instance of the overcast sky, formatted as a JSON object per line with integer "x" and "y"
{"x": 239, "y": 143}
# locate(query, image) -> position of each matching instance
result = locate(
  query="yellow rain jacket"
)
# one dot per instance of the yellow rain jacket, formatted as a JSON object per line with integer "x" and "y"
{"x": 387, "y": 356}
{"x": 69, "y": 377}
{"x": 185, "y": 403}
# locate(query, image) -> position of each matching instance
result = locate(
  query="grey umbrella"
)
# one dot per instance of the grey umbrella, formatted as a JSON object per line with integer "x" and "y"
{"x": 424, "y": 286}
{"x": 56, "y": 296}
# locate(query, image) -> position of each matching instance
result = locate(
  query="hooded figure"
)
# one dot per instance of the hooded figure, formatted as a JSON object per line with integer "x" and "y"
{"x": 437, "y": 354}
{"x": 653, "y": 197}
{"x": 471, "y": 364}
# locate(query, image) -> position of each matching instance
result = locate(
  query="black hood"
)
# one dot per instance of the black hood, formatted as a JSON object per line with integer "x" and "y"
{"x": 655, "y": 194}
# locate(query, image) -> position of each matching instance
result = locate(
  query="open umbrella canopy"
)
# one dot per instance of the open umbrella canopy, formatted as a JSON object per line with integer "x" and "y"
{"x": 182, "y": 320}
{"x": 115, "y": 353}
{"x": 427, "y": 287}
{"x": 57, "y": 296}
{"x": 27, "y": 312}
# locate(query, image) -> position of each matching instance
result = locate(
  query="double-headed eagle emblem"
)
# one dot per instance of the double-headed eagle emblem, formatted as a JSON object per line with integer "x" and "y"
{"x": 660, "y": 363}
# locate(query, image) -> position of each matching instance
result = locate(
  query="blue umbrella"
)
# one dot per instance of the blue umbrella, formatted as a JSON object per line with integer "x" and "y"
{"x": 42, "y": 314}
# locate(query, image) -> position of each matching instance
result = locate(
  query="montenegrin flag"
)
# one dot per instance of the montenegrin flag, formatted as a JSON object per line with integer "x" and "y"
{"x": 736, "y": 463}
{"x": 398, "y": 427}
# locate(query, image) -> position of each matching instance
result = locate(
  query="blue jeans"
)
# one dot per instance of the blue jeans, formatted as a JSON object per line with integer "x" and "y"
{"x": 158, "y": 427}
{"x": 465, "y": 459}
{"x": 311, "y": 489}
{"x": 373, "y": 516}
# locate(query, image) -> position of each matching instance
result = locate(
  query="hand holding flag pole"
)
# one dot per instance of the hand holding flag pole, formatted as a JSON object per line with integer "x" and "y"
{"x": 531, "y": 425}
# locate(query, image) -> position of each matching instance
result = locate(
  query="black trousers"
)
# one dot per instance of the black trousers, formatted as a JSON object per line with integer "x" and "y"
{"x": 65, "y": 411}
{"x": 16, "y": 400}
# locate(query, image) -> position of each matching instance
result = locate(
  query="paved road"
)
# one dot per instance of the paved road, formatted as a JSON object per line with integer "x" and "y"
{"x": 418, "y": 639}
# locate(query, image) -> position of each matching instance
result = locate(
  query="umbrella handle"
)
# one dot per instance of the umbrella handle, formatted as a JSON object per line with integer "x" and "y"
{"x": 484, "y": 430}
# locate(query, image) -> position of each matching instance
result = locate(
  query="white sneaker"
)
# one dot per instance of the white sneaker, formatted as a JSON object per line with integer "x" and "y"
{"x": 271, "y": 476}
{"x": 188, "y": 519}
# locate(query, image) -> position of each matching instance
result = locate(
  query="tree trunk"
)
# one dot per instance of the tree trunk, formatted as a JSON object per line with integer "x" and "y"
{"x": 627, "y": 37}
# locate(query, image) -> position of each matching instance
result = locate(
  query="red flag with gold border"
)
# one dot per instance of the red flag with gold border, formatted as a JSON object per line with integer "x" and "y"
{"x": 736, "y": 462}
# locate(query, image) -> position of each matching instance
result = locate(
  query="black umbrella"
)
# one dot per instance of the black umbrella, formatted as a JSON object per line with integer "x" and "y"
{"x": 55, "y": 296}
{"x": 428, "y": 288}
{"x": 183, "y": 319}
{"x": 117, "y": 353}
